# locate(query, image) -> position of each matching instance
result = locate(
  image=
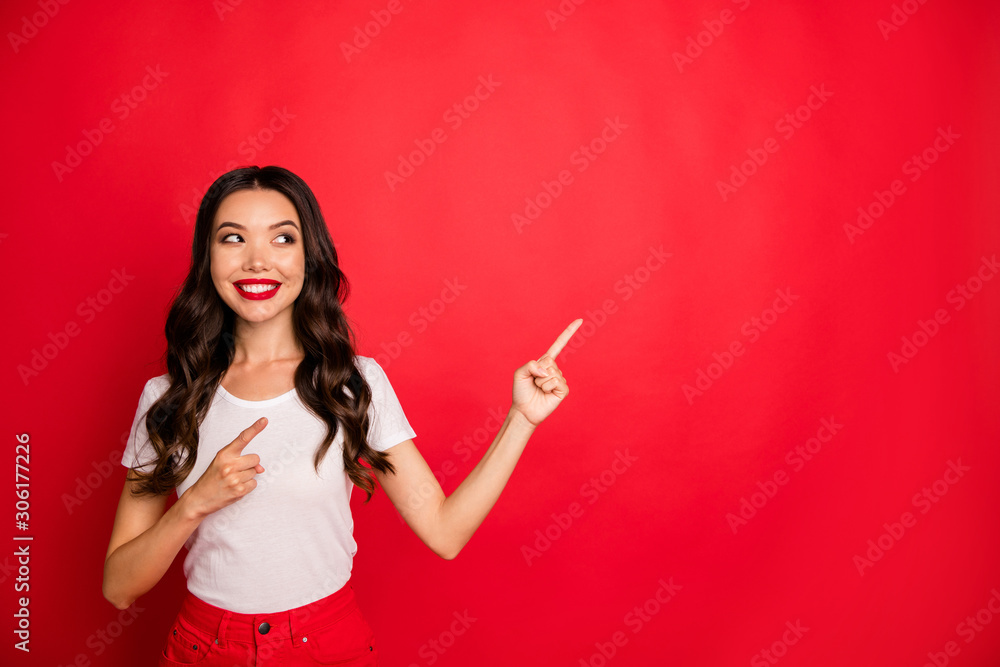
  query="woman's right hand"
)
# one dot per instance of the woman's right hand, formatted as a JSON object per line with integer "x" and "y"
{"x": 229, "y": 477}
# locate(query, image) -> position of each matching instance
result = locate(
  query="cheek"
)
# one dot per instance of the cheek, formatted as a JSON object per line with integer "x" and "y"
{"x": 213, "y": 265}
{"x": 295, "y": 267}
{"x": 222, "y": 265}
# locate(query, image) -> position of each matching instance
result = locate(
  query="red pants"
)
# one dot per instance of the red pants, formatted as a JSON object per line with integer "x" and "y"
{"x": 330, "y": 630}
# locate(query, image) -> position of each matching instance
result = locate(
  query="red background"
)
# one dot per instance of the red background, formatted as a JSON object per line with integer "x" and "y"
{"x": 128, "y": 205}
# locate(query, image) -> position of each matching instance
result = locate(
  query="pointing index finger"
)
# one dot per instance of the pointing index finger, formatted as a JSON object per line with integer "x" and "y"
{"x": 246, "y": 435}
{"x": 563, "y": 338}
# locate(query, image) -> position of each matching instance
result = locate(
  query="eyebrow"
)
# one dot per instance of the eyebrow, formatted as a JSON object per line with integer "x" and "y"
{"x": 274, "y": 226}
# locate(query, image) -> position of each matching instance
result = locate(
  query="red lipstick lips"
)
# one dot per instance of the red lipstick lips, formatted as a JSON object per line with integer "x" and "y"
{"x": 265, "y": 293}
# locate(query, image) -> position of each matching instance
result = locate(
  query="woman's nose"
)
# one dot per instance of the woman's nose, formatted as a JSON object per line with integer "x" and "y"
{"x": 258, "y": 256}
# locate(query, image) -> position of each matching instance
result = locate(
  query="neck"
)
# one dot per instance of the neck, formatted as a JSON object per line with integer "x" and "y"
{"x": 259, "y": 343}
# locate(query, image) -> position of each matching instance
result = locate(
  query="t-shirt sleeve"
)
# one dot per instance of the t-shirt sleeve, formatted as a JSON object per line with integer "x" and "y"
{"x": 389, "y": 425}
{"x": 139, "y": 453}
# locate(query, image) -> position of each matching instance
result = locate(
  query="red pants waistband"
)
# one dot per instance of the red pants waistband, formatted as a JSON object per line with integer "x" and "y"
{"x": 267, "y": 627}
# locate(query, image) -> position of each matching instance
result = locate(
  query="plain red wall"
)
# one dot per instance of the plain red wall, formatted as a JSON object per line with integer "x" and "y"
{"x": 696, "y": 89}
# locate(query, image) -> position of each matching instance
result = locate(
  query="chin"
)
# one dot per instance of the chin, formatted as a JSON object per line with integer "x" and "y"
{"x": 260, "y": 316}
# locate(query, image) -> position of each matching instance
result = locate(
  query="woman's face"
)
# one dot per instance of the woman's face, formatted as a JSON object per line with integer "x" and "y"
{"x": 257, "y": 254}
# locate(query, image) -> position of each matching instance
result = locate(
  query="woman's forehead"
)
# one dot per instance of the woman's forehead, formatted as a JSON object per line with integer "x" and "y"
{"x": 256, "y": 208}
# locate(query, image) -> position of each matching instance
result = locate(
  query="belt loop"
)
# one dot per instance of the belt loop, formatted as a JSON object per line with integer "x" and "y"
{"x": 220, "y": 640}
{"x": 293, "y": 628}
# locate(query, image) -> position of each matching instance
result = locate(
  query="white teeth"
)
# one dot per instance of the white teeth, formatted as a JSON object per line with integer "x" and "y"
{"x": 257, "y": 289}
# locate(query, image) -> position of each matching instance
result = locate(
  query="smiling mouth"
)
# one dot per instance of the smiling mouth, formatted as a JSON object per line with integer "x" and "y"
{"x": 256, "y": 289}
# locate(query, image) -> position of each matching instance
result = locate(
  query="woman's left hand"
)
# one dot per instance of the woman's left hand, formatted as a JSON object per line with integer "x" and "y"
{"x": 539, "y": 386}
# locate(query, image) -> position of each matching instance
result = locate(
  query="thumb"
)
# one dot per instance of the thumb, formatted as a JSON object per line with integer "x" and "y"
{"x": 530, "y": 370}
{"x": 523, "y": 371}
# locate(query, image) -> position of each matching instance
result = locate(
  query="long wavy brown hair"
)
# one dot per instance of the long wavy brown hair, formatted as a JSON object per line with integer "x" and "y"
{"x": 200, "y": 345}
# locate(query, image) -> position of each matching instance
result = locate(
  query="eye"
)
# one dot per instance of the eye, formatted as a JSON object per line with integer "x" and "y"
{"x": 291, "y": 239}
{"x": 223, "y": 239}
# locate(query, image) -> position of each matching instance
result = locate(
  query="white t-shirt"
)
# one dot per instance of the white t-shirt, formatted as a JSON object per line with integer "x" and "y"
{"x": 290, "y": 540}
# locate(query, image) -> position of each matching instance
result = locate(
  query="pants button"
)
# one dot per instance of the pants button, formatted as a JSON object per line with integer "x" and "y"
{"x": 264, "y": 628}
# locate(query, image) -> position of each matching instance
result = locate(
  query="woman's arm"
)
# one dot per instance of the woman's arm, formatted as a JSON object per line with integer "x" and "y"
{"x": 144, "y": 542}
{"x": 145, "y": 539}
{"x": 446, "y": 524}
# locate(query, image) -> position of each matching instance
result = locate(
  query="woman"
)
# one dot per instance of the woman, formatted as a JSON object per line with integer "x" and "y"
{"x": 262, "y": 381}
